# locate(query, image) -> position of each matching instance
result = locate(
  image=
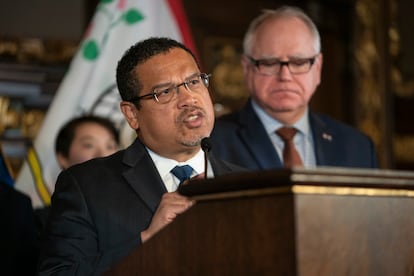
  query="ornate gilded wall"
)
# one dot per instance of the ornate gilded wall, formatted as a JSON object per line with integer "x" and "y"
{"x": 385, "y": 96}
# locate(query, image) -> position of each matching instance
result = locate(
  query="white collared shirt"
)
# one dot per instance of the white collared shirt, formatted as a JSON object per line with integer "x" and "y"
{"x": 165, "y": 165}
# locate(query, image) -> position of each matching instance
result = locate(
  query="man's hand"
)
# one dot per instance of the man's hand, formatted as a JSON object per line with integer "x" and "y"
{"x": 171, "y": 205}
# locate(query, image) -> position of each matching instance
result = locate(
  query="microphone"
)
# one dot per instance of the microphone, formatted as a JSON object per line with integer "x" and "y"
{"x": 206, "y": 147}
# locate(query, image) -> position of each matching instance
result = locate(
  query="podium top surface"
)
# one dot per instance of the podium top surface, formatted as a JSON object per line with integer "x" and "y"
{"x": 344, "y": 180}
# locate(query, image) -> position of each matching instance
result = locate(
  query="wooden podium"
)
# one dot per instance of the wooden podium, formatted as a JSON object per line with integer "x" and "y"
{"x": 287, "y": 222}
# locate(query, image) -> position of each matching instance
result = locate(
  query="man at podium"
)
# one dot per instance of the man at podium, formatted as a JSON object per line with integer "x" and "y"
{"x": 105, "y": 207}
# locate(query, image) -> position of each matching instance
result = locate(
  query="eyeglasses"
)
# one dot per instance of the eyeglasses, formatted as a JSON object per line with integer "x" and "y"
{"x": 272, "y": 66}
{"x": 164, "y": 95}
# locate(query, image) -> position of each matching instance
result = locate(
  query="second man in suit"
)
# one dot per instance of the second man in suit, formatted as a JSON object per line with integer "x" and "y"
{"x": 282, "y": 63}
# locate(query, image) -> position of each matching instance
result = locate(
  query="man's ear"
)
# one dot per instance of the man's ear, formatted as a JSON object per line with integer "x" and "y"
{"x": 318, "y": 65}
{"x": 245, "y": 63}
{"x": 130, "y": 112}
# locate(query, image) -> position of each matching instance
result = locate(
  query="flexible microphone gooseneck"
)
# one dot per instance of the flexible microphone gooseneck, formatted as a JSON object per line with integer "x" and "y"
{"x": 206, "y": 147}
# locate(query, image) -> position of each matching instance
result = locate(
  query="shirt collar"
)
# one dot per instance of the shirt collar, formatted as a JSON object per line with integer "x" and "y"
{"x": 165, "y": 165}
{"x": 271, "y": 125}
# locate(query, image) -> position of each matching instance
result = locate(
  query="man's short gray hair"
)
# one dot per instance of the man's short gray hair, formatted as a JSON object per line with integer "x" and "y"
{"x": 282, "y": 12}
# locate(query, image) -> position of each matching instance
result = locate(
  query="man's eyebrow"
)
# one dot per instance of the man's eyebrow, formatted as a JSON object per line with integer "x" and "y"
{"x": 161, "y": 85}
{"x": 192, "y": 75}
{"x": 168, "y": 84}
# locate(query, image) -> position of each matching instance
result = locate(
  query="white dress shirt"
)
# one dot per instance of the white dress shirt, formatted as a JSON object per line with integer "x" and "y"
{"x": 165, "y": 165}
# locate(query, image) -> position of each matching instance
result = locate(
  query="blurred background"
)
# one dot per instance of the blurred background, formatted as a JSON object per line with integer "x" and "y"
{"x": 368, "y": 73}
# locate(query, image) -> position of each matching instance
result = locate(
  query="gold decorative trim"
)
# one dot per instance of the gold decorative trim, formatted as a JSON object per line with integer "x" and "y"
{"x": 32, "y": 50}
{"x": 310, "y": 190}
{"x": 28, "y": 121}
{"x": 367, "y": 57}
{"x": 8, "y": 116}
{"x": 352, "y": 191}
{"x": 401, "y": 87}
{"x": 351, "y": 179}
{"x": 403, "y": 146}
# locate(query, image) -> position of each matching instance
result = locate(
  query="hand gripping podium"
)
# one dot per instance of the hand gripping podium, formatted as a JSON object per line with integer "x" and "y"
{"x": 321, "y": 221}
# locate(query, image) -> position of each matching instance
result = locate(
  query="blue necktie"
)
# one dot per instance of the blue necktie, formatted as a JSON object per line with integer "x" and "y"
{"x": 182, "y": 172}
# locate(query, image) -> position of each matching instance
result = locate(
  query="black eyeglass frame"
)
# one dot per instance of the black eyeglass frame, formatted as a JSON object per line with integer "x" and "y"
{"x": 275, "y": 61}
{"x": 154, "y": 95}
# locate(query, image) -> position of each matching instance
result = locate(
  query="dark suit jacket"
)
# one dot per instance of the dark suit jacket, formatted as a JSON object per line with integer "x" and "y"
{"x": 18, "y": 254}
{"x": 99, "y": 209}
{"x": 241, "y": 138}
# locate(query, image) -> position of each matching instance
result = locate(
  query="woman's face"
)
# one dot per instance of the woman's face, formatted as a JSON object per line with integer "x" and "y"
{"x": 91, "y": 140}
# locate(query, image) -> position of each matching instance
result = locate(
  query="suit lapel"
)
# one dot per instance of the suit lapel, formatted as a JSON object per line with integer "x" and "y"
{"x": 324, "y": 140}
{"x": 143, "y": 175}
{"x": 219, "y": 167}
{"x": 253, "y": 134}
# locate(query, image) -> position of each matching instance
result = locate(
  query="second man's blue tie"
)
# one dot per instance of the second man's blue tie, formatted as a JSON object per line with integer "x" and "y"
{"x": 182, "y": 172}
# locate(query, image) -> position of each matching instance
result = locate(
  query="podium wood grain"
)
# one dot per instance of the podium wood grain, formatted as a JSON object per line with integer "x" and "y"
{"x": 288, "y": 222}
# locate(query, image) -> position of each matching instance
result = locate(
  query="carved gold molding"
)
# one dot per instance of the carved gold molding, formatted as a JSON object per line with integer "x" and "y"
{"x": 27, "y": 50}
{"x": 403, "y": 145}
{"x": 401, "y": 87}
{"x": 9, "y": 118}
{"x": 367, "y": 59}
{"x": 373, "y": 48}
{"x": 28, "y": 121}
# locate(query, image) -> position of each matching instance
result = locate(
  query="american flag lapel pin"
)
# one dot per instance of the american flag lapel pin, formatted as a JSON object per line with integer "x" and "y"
{"x": 326, "y": 136}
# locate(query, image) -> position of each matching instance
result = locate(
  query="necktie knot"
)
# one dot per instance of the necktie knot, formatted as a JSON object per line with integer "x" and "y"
{"x": 286, "y": 133}
{"x": 182, "y": 172}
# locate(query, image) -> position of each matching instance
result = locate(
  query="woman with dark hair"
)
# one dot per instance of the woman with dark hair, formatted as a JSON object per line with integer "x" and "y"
{"x": 84, "y": 138}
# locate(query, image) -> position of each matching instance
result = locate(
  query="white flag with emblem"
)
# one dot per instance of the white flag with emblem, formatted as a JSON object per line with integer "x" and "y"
{"x": 89, "y": 85}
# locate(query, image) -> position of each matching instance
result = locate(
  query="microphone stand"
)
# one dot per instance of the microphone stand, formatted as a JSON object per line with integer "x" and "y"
{"x": 206, "y": 147}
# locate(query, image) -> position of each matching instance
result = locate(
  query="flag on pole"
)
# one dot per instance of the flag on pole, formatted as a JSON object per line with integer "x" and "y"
{"x": 89, "y": 85}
